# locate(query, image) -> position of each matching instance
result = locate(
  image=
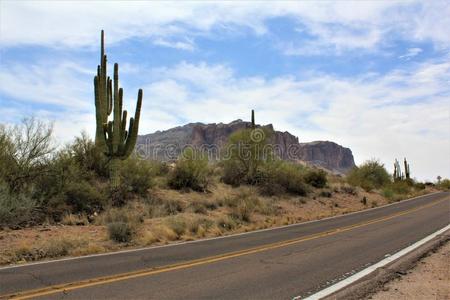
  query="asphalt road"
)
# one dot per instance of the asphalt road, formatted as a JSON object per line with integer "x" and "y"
{"x": 280, "y": 263}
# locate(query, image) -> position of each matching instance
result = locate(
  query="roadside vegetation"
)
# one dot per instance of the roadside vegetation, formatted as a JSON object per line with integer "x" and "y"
{"x": 92, "y": 196}
{"x": 57, "y": 201}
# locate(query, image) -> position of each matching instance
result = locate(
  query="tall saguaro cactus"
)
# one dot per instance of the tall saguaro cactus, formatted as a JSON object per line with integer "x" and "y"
{"x": 112, "y": 136}
{"x": 253, "y": 119}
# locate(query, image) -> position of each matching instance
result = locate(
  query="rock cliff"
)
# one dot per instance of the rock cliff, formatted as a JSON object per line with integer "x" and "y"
{"x": 167, "y": 145}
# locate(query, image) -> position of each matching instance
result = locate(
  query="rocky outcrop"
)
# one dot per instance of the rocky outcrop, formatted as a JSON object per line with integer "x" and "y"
{"x": 167, "y": 145}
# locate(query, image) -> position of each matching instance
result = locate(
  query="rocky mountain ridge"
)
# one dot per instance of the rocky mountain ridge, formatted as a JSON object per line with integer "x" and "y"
{"x": 167, "y": 145}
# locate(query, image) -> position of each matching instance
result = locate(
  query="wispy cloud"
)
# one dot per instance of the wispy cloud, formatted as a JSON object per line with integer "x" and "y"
{"x": 335, "y": 26}
{"x": 410, "y": 53}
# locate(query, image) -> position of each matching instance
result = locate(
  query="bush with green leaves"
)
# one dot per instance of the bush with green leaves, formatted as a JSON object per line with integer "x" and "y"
{"x": 82, "y": 196}
{"x": 137, "y": 175}
{"x": 316, "y": 178}
{"x": 120, "y": 232}
{"x": 283, "y": 177}
{"x": 246, "y": 154}
{"x": 191, "y": 171}
{"x": 370, "y": 175}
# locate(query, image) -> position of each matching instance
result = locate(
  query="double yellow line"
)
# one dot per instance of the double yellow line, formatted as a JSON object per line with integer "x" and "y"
{"x": 202, "y": 261}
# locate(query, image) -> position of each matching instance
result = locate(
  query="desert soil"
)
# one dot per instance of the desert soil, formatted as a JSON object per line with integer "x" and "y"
{"x": 429, "y": 279}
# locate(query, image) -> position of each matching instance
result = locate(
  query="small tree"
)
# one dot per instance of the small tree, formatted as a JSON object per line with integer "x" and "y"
{"x": 371, "y": 174}
{"x": 191, "y": 171}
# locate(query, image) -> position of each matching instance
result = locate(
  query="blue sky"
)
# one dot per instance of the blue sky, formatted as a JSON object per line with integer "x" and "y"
{"x": 372, "y": 76}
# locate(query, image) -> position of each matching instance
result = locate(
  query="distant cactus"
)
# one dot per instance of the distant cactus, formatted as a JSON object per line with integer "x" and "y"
{"x": 397, "y": 171}
{"x": 111, "y": 136}
{"x": 407, "y": 174}
{"x": 253, "y": 119}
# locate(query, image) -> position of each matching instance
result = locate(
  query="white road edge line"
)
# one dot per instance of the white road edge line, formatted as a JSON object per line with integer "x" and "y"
{"x": 211, "y": 238}
{"x": 342, "y": 284}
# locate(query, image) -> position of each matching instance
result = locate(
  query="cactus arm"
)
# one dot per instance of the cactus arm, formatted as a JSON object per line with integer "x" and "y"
{"x": 133, "y": 131}
{"x": 117, "y": 112}
{"x": 109, "y": 96}
{"x": 123, "y": 132}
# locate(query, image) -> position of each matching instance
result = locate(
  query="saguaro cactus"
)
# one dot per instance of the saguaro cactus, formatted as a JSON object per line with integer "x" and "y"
{"x": 397, "y": 171}
{"x": 407, "y": 174}
{"x": 117, "y": 142}
{"x": 253, "y": 119}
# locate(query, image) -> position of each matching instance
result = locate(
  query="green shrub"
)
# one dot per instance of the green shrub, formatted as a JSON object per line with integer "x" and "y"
{"x": 191, "y": 171}
{"x": 444, "y": 184}
{"x": 316, "y": 178}
{"x": 137, "y": 175}
{"x": 84, "y": 197}
{"x": 121, "y": 232}
{"x": 282, "y": 177}
{"x": 247, "y": 152}
{"x": 370, "y": 175}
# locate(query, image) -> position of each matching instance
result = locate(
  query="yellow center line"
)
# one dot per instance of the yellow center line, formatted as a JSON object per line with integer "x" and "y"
{"x": 162, "y": 269}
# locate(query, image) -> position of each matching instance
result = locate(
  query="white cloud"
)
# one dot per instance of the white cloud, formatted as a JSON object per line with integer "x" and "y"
{"x": 336, "y": 26}
{"x": 411, "y": 53}
{"x": 47, "y": 83}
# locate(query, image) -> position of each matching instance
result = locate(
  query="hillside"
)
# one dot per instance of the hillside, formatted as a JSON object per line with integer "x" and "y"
{"x": 167, "y": 145}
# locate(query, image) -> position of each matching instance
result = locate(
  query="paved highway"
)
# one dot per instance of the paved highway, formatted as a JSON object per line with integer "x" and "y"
{"x": 279, "y": 263}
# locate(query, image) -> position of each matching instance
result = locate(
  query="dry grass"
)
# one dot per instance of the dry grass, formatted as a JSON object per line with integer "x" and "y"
{"x": 170, "y": 215}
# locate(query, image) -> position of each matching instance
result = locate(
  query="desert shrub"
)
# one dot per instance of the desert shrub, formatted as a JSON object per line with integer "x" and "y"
{"x": 370, "y": 175}
{"x": 348, "y": 189}
{"x": 282, "y": 177}
{"x": 419, "y": 186}
{"x": 444, "y": 184}
{"x": 120, "y": 232}
{"x": 82, "y": 196}
{"x": 16, "y": 209}
{"x": 316, "y": 178}
{"x": 243, "y": 205}
{"x": 158, "y": 207}
{"x": 226, "y": 223}
{"x": 247, "y": 152}
{"x": 326, "y": 194}
{"x": 74, "y": 219}
{"x": 87, "y": 156}
{"x": 24, "y": 151}
{"x": 401, "y": 187}
{"x": 177, "y": 224}
{"x": 127, "y": 214}
{"x": 122, "y": 223}
{"x": 202, "y": 206}
{"x": 267, "y": 207}
{"x": 191, "y": 171}
{"x": 137, "y": 175}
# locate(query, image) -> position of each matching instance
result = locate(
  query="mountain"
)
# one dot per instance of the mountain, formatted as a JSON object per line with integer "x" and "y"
{"x": 167, "y": 145}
